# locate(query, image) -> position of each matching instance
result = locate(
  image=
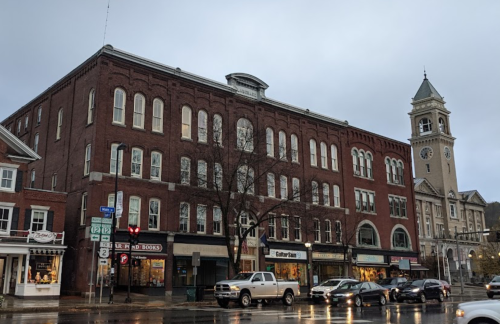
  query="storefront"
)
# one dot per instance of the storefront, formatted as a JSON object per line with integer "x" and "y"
{"x": 31, "y": 266}
{"x": 327, "y": 265}
{"x": 409, "y": 269}
{"x": 370, "y": 267}
{"x": 288, "y": 265}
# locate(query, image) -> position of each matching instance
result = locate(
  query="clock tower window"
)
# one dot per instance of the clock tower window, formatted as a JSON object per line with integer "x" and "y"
{"x": 425, "y": 126}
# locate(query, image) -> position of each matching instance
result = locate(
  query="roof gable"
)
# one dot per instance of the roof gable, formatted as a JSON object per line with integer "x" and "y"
{"x": 473, "y": 197}
{"x": 16, "y": 149}
{"x": 421, "y": 185}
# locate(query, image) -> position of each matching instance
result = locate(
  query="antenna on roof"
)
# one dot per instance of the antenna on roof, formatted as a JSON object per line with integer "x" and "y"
{"x": 425, "y": 74}
{"x": 106, "y": 25}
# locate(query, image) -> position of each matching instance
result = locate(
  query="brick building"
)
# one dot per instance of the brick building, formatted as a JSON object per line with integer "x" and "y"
{"x": 169, "y": 119}
{"x": 31, "y": 226}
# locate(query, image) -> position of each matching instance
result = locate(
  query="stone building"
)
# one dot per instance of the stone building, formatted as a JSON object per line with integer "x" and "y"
{"x": 169, "y": 119}
{"x": 441, "y": 209}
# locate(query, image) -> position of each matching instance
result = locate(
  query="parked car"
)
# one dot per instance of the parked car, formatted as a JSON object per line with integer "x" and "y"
{"x": 421, "y": 290}
{"x": 479, "y": 312}
{"x": 446, "y": 288}
{"x": 322, "y": 291}
{"x": 493, "y": 288}
{"x": 393, "y": 284}
{"x": 246, "y": 286}
{"x": 358, "y": 293}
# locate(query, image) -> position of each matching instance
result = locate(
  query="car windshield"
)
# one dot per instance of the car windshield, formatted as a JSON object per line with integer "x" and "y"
{"x": 243, "y": 276}
{"x": 386, "y": 281}
{"x": 416, "y": 283}
{"x": 356, "y": 285}
{"x": 496, "y": 279}
{"x": 348, "y": 285}
{"x": 330, "y": 283}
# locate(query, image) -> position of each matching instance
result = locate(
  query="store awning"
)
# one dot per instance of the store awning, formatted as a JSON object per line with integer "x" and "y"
{"x": 373, "y": 265}
{"x": 418, "y": 267}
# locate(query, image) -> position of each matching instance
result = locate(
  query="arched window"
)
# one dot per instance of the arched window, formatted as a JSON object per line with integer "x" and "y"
{"x": 185, "y": 170}
{"x": 394, "y": 172}
{"x": 283, "y": 187}
{"x": 271, "y": 185}
{"x": 269, "y": 141}
{"x": 442, "y": 125}
{"x": 86, "y": 169}
{"x": 59, "y": 123}
{"x": 367, "y": 235}
{"x": 39, "y": 116}
{"x": 315, "y": 193}
{"x": 355, "y": 164}
{"x": 202, "y": 174}
{"x": 400, "y": 239}
{"x": 333, "y": 154}
{"x": 218, "y": 129}
{"x": 312, "y": 148}
{"x": 295, "y": 148}
{"x": 155, "y": 165}
{"x": 244, "y": 135}
{"x": 369, "y": 165}
{"x": 35, "y": 144}
{"x": 388, "y": 170}
{"x": 139, "y": 104}
{"x": 218, "y": 176}
{"x": 362, "y": 170}
{"x": 336, "y": 196}
{"x": 245, "y": 180}
{"x": 282, "y": 145}
{"x": 186, "y": 122}
{"x": 90, "y": 113}
{"x": 157, "y": 115}
{"x": 425, "y": 126}
{"x": 326, "y": 194}
{"x": 202, "y": 126}
{"x": 322, "y": 148}
{"x": 119, "y": 107}
{"x": 400, "y": 173}
{"x": 134, "y": 211}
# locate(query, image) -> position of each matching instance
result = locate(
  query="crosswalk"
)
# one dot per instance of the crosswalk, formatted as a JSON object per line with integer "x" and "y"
{"x": 316, "y": 316}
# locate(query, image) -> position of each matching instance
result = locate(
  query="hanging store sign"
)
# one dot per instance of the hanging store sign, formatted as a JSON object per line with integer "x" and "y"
{"x": 43, "y": 236}
{"x": 287, "y": 254}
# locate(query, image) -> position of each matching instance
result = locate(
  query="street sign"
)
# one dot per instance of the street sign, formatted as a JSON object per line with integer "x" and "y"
{"x": 107, "y": 215}
{"x": 95, "y": 228}
{"x": 100, "y": 229}
{"x": 105, "y": 238}
{"x": 107, "y": 221}
{"x": 103, "y": 253}
{"x": 106, "y": 229}
{"x": 103, "y": 261}
{"x": 94, "y": 237}
{"x": 123, "y": 258}
{"x": 195, "y": 262}
{"x": 106, "y": 209}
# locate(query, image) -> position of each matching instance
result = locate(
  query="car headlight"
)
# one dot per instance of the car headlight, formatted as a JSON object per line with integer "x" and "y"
{"x": 328, "y": 294}
{"x": 460, "y": 313}
{"x": 348, "y": 295}
{"x": 215, "y": 288}
{"x": 235, "y": 288}
{"x": 396, "y": 289}
{"x": 487, "y": 286}
{"x": 415, "y": 290}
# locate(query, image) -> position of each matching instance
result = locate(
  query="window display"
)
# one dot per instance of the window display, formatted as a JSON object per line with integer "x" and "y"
{"x": 147, "y": 273}
{"x": 368, "y": 273}
{"x": 289, "y": 271}
{"x": 43, "y": 269}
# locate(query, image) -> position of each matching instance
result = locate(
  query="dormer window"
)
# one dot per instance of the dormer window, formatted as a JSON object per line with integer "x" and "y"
{"x": 425, "y": 126}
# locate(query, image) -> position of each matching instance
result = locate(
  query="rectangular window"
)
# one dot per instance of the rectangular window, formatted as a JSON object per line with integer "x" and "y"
{"x": 391, "y": 206}
{"x": 136, "y": 163}
{"x": 295, "y": 148}
{"x": 5, "y": 216}
{"x": 365, "y": 201}
{"x": 26, "y": 121}
{"x": 139, "y": 111}
{"x": 202, "y": 126}
{"x": 157, "y": 115}
{"x": 297, "y": 228}
{"x": 284, "y": 228}
{"x": 201, "y": 218}
{"x": 296, "y": 189}
{"x": 184, "y": 217}
{"x": 83, "y": 216}
{"x": 119, "y": 107}
{"x": 8, "y": 179}
{"x": 86, "y": 168}
{"x": 453, "y": 211}
{"x": 218, "y": 129}
{"x": 59, "y": 124}
{"x": 312, "y": 148}
{"x": 134, "y": 211}
{"x": 315, "y": 193}
{"x": 217, "y": 220}
{"x": 185, "y": 170}
{"x": 338, "y": 232}
{"x": 269, "y": 142}
{"x": 115, "y": 156}
{"x": 186, "y": 122}
{"x": 54, "y": 182}
{"x": 282, "y": 145}
{"x": 333, "y": 154}
{"x": 156, "y": 166}
{"x": 38, "y": 219}
{"x": 284, "y": 187}
{"x": 317, "y": 233}
{"x": 428, "y": 167}
{"x": 154, "y": 214}
{"x": 272, "y": 226}
{"x": 328, "y": 231}
{"x": 323, "y": 152}
{"x": 39, "y": 116}
{"x": 428, "y": 225}
{"x": 218, "y": 176}
{"x": 326, "y": 194}
{"x": 271, "y": 190}
{"x": 336, "y": 196}
{"x": 18, "y": 127}
{"x": 202, "y": 174}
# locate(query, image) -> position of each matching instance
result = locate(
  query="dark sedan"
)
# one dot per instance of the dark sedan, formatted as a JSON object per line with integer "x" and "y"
{"x": 393, "y": 284}
{"x": 358, "y": 293}
{"x": 421, "y": 290}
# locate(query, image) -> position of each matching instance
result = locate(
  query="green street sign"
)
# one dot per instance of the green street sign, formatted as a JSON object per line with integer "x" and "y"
{"x": 94, "y": 237}
{"x": 95, "y": 229}
{"x": 105, "y": 238}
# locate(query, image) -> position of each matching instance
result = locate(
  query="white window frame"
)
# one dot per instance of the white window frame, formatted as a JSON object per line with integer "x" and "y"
{"x": 328, "y": 231}
{"x": 136, "y": 162}
{"x": 334, "y": 157}
{"x": 35, "y": 144}
{"x": 244, "y": 135}
{"x": 217, "y": 220}
{"x": 324, "y": 154}
{"x": 32, "y": 178}
{"x": 114, "y": 159}
{"x": 201, "y": 219}
{"x": 154, "y": 213}
{"x": 8, "y": 207}
{"x": 355, "y": 163}
{"x": 315, "y": 193}
{"x": 400, "y": 230}
{"x": 202, "y": 126}
{"x": 202, "y": 174}
{"x": 156, "y": 162}
{"x": 271, "y": 226}
{"x": 139, "y": 109}
{"x": 271, "y": 185}
{"x": 282, "y": 145}
{"x": 326, "y": 194}
{"x": 26, "y": 122}
{"x": 365, "y": 201}
{"x": 285, "y": 228}
{"x": 134, "y": 213}
{"x": 296, "y": 189}
{"x": 186, "y": 117}
{"x": 369, "y": 165}
{"x": 283, "y": 187}
{"x": 317, "y": 230}
{"x": 157, "y": 122}
{"x": 218, "y": 185}
{"x": 217, "y": 129}
{"x": 119, "y": 106}
{"x": 425, "y": 126}
{"x": 312, "y": 150}
{"x": 39, "y": 115}
{"x": 54, "y": 182}
{"x": 185, "y": 176}
{"x": 83, "y": 209}
{"x": 294, "y": 144}
{"x": 297, "y": 228}
{"x": 374, "y": 235}
{"x": 90, "y": 112}
{"x": 453, "y": 211}
{"x": 184, "y": 218}
{"x": 59, "y": 123}
{"x": 336, "y": 196}
{"x": 86, "y": 165}
{"x": 44, "y": 221}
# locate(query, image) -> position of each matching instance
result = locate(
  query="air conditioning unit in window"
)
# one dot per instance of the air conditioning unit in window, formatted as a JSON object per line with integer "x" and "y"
{"x": 357, "y": 172}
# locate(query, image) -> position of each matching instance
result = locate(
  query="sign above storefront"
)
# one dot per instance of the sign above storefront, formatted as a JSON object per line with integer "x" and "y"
{"x": 287, "y": 254}
{"x": 43, "y": 236}
{"x": 142, "y": 247}
{"x": 370, "y": 258}
{"x": 327, "y": 256}
{"x": 395, "y": 259}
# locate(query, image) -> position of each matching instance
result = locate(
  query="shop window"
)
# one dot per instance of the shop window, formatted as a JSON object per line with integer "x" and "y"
{"x": 148, "y": 273}
{"x": 43, "y": 269}
{"x": 289, "y": 271}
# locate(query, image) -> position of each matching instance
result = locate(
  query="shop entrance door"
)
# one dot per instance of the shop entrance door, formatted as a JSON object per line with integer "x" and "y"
{"x": 13, "y": 276}
{"x": 2, "y": 274}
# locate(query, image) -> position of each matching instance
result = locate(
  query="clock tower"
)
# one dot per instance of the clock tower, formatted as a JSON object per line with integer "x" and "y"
{"x": 432, "y": 143}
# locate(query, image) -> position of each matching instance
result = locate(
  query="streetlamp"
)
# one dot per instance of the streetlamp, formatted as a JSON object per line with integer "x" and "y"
{"x": 120, "y": 147}
{"x": 308, "y": 246}
{"x": 439, "y": 269}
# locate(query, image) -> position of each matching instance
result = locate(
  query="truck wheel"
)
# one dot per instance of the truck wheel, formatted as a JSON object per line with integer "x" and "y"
{"x": 288, "y": 299}
{"x": 245, "y": 300}
{"x": 223, "y": 303}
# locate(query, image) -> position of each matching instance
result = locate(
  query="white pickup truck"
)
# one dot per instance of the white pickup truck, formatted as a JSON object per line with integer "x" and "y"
{"x": 479, "y": 312}
{"x": 255, "y": 285}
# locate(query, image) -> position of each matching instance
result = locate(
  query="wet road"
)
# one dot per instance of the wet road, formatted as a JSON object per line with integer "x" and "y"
{"x": 431, "y": 312}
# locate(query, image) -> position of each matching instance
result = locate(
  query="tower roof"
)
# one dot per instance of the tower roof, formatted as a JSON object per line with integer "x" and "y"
{"x": 426, "y": 90}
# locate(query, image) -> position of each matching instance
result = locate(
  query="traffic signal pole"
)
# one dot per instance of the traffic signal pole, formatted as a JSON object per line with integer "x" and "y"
{"x": 128, "y": 299}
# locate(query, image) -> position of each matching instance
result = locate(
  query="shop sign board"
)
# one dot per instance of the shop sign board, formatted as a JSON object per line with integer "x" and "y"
{"x": 43, "y": 236}
{"x": 395, "y": 259}
{"x": 370, "y": 258}
{"x": 327, "y": 256}
{"x": 287, "y": 254}
{"x": 142, "y": 247}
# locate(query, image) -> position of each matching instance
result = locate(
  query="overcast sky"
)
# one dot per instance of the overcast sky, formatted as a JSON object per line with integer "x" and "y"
{"x": 360, "y": 61}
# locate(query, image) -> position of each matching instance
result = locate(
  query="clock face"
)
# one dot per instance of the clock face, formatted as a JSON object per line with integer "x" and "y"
{"x": 447, "y": 152}
{"x": 426, "y": 153}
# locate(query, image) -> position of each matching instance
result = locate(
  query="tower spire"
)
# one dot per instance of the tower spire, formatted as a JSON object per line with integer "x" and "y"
{"x": 425, "y": 74}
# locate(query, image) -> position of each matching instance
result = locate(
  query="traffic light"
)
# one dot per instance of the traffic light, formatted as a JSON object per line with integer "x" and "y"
{"x": 498, "y": 236}
{"x": 133, "y": 232}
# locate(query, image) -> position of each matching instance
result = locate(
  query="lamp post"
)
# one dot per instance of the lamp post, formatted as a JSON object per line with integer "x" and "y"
{"x": 120, "y": 147}
{"x": 434, "y": 254}
{"x": 308, "y": 246}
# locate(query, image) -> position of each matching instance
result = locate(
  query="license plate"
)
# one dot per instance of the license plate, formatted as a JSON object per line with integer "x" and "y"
{"x": 403, "y": 295}
{"x": 335, "y": 299}
{"x": 220, "y": 297}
